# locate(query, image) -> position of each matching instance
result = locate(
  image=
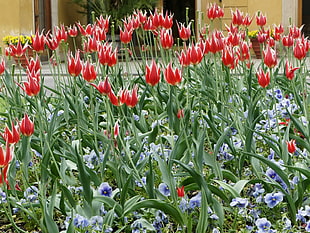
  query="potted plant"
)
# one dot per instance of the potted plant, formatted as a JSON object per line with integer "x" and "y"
{"x": 13, "y": 42}
{"x": 255, "y": 44}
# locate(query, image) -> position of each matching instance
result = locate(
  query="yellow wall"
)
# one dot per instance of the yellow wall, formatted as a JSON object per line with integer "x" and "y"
{"x": 16, "y": 18}
{"x": 271, "y": 8}
{"x": 68, "y": 13}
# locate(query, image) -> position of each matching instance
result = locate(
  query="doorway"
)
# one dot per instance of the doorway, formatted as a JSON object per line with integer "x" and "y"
{"x": 42, "y": 15}
{"x": 306, "y": 17}
{"x": 178, "y": 9}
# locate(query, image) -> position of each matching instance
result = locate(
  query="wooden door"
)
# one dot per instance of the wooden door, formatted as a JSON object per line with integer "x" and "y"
{"x": 42, "y": 15}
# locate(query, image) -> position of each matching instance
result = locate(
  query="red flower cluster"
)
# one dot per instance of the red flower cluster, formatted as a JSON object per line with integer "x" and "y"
{"x": 11, "y": 137}
{"x": 123, "y": 97}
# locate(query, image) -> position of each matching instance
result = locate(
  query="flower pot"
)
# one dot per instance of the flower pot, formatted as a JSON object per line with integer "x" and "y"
{"x": 22, "y": 61}
{"x": 256, "y": 48}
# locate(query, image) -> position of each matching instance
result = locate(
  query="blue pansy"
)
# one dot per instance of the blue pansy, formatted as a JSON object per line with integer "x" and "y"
{"x": 164, "y": 189}
{"x": 239, "y": 202}
{"x": 105, "y": 189}
{"x": 195, "y": 201}
{"x": 273, "y": 199}
{"x": 96, "y": 223}
{"x": 80, "y": 221}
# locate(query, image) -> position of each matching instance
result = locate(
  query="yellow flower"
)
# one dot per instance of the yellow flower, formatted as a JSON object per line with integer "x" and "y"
{"x": 14, "y": 39}
{"x": 253, "y": 34}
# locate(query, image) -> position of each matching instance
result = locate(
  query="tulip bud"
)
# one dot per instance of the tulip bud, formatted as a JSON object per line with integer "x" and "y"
{"x": 116, "y": 129}
{"x": 2, "y": 66}
{"x": 180, "y": 192}
{"x": 291, "y": 146}
{"x": 26, "y": 126}
{"x": 180, "y": 113}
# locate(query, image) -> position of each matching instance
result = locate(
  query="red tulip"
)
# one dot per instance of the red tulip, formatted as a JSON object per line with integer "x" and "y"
{"x": 113, "y": 58}
{"x": 113, "y": 98}
{"x": 215, "y": 43}
{"x": 180, "y": 113}
{"x": 184, "y": 59}
{"x": 126, "y": 35}
{"x": 300, "y": 50}
{"x": 129, "y": 23}
{"x": 88, "y": 72}
{"x": 247, "y": 20}
{"x": 237, "y": 17}
{"x": 295, "y": 32}
{"x": 18, "y": 50}
{"x": 232, "y": 28}
{"x": 38, "y": 42}
{"x": 263, "y": 78}
{"x": 228, "y": 57}
{"x": 157, "y": 19}
{"x": 184, "y": 32}
{"x": 5, "y": 157}
{"x": 233, "y": 38}
{"x": 72, "y": 31}
{"x": 51, "y": 42}
{"x": 202, "y": 44}
{"x": 152, "y": 74}
{"x": 180, "y": 192}
{"x": 214, "y": 11}
{"x": 244, "y": 51}
{"x": 291, "y": 146}
{"x": 90, "y": 45}
{"x": 262, "y": 36}
{"x": 279, "y": 29}
{"x": 103, "y": 23}
{"x": 26, "y": 126}
{"x": 130, "y": 99}
{"x": 271, "y": 42}
{"x": 270, "y": 57}
{"x": 261, "y": 20}
{"x": 289, "y": 70}
{"x": 116, "y": 129}
{"x": 288, "y": 41}
{"x": 100, "y": 34}
{"x": 141, "y": 16}
{"x": 32, "y": 86}
{"x": 61, "y": 33}
{"x": 34, "y": 65}
{"x": 74, "y": 64}
{"x": 103, "y": 87}
{"x": 106, "y": 56}
{"x": 167, "y": 21}
{"x": 87, "y": 31}
{"x": 148, "y": 25}
{"x": 2, "y": 66}
{"x": 166, "y": 38}
{"x": 11, "y": 136}
{"x": 195, "y": 54}
{"x": 172, "y": 77}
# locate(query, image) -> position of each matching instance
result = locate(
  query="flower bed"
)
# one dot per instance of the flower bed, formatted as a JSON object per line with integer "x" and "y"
{"x": 195, "y": 140}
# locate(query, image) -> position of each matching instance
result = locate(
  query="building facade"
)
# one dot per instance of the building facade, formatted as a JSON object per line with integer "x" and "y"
{"x": 23, "y": 17}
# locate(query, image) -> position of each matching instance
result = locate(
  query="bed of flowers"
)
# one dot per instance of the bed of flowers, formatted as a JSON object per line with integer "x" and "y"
{"x": 189, "y": 136}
